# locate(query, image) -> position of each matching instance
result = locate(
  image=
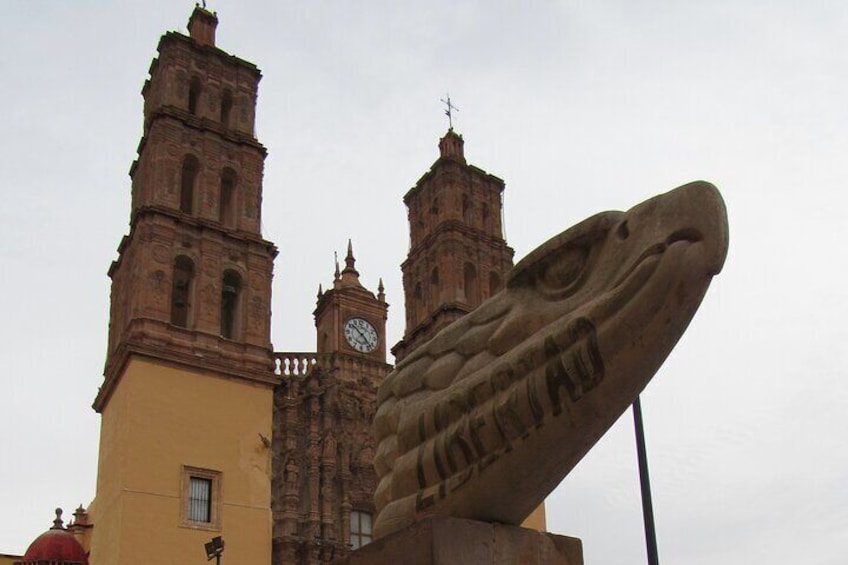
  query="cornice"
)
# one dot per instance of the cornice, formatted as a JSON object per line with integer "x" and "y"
{"x": 176, "y": 38}
{"x": 238, "y": 369}
{"x": 459, "y": 227}
{"x": 189, "y": 120}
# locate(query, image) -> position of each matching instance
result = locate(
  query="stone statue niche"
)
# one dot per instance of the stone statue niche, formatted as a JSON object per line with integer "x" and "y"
{"x": 483, "y": 421}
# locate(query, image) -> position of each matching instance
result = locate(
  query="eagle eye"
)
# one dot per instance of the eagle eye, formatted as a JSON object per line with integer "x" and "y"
{"x": 562, "y": 275}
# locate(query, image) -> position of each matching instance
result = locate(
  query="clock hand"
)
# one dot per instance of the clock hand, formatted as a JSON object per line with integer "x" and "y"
{"x": 365, "y": 339}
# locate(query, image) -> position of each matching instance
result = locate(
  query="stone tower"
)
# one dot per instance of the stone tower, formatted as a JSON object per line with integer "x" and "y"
{"x": 350, "y": 318}
{"x": 458, "y": 256}
{"x": 186, "y": 403}
{"x": 324, "y": 480}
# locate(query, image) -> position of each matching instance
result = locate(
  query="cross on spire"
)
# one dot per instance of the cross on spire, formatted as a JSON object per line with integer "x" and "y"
{"x": 449, "y": 112}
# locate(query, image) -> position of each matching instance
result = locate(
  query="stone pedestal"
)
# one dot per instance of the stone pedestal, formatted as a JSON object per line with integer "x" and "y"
{"x": 453, "y": 541}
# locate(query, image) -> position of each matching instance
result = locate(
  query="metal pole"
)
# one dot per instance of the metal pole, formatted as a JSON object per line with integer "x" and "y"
{"x": 645, "y": 482}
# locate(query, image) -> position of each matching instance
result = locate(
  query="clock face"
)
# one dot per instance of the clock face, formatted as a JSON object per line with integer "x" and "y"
{"x": 361, "y": 335}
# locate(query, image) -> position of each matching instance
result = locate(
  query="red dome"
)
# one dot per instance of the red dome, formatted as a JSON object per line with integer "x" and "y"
{"x": 56, "y": 545}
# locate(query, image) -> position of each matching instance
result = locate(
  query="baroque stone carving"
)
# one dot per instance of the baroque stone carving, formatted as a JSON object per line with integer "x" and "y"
{"x": 485, "y": 419}
{"x": 317, "y": 473}
{"x": 161, "y": 254}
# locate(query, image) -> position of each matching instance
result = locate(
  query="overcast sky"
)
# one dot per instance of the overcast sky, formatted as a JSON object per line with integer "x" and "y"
{"x": 580, "y": 107}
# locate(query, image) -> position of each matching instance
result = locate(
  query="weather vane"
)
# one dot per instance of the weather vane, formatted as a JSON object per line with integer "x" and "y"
{"x": 449, "y": 111}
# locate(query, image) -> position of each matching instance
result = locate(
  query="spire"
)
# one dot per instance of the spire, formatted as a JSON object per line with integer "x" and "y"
{"x": 350, "y": 276}
{"x": 57, "y": 523}
{"x": 350, "y": 261}
{"x": 80, "y": 516}
{"x": 381, "y": 295}
{"x": 451, "y": 146}
{"x": 320, "y": 291}
{"x": 337, "y": 273}
{"x": 202, "y": 24}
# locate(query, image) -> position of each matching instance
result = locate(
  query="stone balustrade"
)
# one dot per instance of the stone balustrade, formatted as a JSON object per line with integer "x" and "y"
{"x": 298, "y": 363}
{"x": 302, "y": 363}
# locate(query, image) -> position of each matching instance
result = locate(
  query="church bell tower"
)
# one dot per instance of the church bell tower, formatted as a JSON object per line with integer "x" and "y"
{"x": 458, "y": 256}
{"x": 186, "y": 402}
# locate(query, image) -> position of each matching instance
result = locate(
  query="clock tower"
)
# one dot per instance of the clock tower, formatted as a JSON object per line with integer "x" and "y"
{"x": 349, "y": 318}
{"x": 324, "y": 479}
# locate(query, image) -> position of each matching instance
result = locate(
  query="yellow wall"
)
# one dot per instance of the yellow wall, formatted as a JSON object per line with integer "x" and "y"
{"x": 8, "y": 559}
{"x": 158, "y": 419}
{"x": 537, "y": 520}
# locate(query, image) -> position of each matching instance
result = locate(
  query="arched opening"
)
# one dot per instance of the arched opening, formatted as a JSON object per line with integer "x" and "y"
{"x": 230, "y": 298}
{"x": 434, "y": 285}
{"x": 494, "y": 283}
{"x": 181, "y": 291}
{"x": 194, "y": 89}
{"x": 485, "y": 216}
{"x": 226, "y": 108}
{"x": 466, "y": 208}
{"x": 227, "y": 203}
{"x": 472, "y": 295}
{"x": 417, "y": 302}
{"x": 188, "y": 179}
{"x": 434, "y": 206}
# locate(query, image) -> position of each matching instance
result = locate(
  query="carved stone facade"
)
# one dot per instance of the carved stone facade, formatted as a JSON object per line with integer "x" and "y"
{"x": 323, "y": 455}
{"x": 323, "y": 448}
{"x": 458, "y": 256}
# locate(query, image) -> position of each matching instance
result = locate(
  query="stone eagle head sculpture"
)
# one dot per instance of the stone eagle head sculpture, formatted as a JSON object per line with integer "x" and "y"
{"x": 484, "y": 420}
